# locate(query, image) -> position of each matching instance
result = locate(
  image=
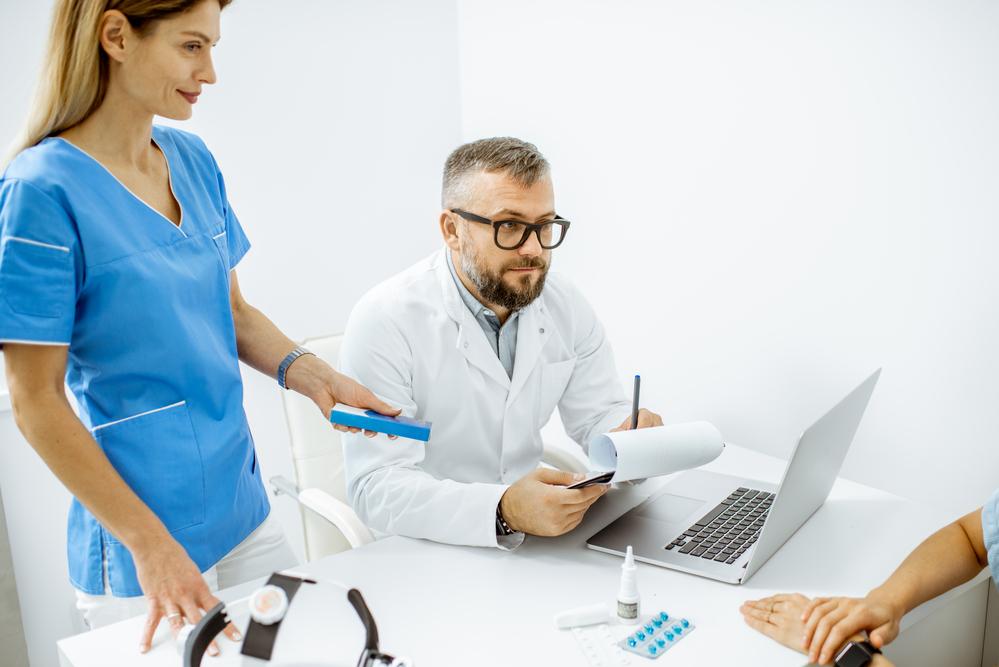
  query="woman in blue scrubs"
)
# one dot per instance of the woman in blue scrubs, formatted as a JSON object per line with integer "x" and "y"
{"x": 117, "y": 254}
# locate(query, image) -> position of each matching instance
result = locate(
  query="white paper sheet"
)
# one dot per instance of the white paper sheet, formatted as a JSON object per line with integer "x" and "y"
{"x": 661, "y": 450}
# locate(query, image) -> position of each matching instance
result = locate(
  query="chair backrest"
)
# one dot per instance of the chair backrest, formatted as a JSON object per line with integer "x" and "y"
{"x": 317, "y": 454}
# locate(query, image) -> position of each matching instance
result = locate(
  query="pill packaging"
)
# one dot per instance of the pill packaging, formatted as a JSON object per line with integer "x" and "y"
{"x": 600, "y": 648}
{"x": 657, "y": 635}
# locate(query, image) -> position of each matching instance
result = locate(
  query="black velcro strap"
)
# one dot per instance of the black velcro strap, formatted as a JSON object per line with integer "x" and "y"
{"x": 259, "y": 640}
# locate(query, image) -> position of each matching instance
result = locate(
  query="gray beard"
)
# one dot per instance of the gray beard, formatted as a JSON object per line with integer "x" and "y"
{"x": 492, "y": 288}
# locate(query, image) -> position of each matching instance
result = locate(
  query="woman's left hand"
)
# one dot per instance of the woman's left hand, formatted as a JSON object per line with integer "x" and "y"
{"x": 783, "y": 618}
{"x": 778, "y": 617}
{"x": 313, "y": 377}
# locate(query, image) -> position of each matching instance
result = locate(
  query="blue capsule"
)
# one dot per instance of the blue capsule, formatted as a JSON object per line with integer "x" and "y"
{"x": 632, "y": 642}
{"x": 685, "y": 623}
{"x": 653, "y": 649}
{"x": 650, "y": 628}
{"x": 661, "y": 642}
{"x": 663, "y": 616}
{"x": 677, "y": 629}
{"x": 640, "y": 636}
{"x": 669, "y": 636}
{"x": 657, "y": 622}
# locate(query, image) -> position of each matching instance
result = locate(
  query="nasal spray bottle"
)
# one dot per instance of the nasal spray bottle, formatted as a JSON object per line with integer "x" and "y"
{"x": 628, "y": 602}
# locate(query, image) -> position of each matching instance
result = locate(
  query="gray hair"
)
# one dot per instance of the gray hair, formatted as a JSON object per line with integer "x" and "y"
{"x": 521, "y": 160}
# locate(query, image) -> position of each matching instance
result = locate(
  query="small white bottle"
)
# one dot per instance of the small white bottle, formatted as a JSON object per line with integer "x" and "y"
{"x": 628, "y": 602}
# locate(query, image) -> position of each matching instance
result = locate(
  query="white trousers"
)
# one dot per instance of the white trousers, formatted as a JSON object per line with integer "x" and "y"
{"x": 264, "y": 551}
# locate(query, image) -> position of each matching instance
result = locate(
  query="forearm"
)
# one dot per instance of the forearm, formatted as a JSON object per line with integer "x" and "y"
{"x": 260, "y": 343}
{"x": 944, "y": 560}
{"x": 263, "y": 347}
{"x": 67, "y": 448}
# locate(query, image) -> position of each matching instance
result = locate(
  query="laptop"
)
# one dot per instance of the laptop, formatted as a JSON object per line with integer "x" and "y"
{"x": 725, "y": 528}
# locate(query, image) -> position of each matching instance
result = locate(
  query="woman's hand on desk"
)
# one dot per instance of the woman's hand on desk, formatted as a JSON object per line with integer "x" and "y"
{"x": 783, "y": 619}
{"x": 175, "y": 590}
{"x": 831, "y": 621}
{"x": 778, "y": 617}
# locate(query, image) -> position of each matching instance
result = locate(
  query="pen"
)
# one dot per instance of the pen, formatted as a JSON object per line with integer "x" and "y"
{"x": 634, "y": 402}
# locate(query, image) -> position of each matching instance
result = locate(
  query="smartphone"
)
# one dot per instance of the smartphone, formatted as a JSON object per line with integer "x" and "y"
{"x": 598, "y": 478}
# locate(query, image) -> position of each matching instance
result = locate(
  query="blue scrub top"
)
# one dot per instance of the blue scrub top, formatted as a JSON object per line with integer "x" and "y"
{"x": 144, "y": 307}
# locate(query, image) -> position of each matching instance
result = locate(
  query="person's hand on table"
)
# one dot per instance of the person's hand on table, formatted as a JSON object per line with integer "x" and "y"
{"x": 829, "y": 621}
{"x": 175, "y": 590}
{"x": 539, "y": 503}
{"x": 313, "y": 377}
{"x": 778, "y": 617}
{"x": 783, "y": 618}
{"x": 646, "y": 419}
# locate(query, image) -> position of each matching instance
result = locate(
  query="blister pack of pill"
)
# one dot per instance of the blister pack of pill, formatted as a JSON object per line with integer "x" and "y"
{"x": 657, "y": 635}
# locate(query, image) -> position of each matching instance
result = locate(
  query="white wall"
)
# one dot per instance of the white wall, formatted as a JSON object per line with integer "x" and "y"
{"x": 331, "y": 121}
{"x": 769, "y": 201}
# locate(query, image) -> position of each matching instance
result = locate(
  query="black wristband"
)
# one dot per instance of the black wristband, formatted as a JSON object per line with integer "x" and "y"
{"x": 502, "y": 527}
{"x": 260, "y": 638}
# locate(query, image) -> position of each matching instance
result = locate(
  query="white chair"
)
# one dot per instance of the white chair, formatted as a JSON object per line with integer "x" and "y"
{"x": 329, "y": 523}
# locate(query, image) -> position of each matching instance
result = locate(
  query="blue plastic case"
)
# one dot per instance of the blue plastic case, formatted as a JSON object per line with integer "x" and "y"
{"x": 369, "y": 420}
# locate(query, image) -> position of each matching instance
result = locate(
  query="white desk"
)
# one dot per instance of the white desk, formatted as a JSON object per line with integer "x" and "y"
{"x": 441, "y": 604}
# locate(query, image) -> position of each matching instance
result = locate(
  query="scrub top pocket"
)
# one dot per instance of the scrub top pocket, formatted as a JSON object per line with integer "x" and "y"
{"x": 159, "y": 445}
{"x": 37, "y": 278}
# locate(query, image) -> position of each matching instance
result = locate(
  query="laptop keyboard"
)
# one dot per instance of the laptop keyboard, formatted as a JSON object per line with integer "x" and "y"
{"x": 727, "y": 531}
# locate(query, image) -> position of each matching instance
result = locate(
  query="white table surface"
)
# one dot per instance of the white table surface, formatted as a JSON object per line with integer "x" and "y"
{"x": 441, "y": 604}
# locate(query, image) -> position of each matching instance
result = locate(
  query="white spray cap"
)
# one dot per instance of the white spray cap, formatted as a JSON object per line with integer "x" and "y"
{"x": 589, "y": 615}
{"x": 627, "y": 596}
{"x": 629, "y": 560}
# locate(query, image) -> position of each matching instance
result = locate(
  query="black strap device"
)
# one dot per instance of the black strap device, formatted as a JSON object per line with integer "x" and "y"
{"x": 259, "y": 640}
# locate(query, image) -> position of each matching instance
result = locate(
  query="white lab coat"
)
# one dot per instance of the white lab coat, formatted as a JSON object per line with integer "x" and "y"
{"x": 413, "y": 342}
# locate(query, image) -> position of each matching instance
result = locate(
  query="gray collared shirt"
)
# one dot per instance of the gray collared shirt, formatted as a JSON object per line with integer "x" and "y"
{"x": 503, "y": 338}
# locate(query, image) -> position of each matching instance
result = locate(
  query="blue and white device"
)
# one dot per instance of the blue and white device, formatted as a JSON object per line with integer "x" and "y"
{"x": 369, "y": 420}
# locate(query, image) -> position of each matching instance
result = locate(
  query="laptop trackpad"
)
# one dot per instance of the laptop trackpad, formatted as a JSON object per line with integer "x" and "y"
{"x": 669, "y": 508}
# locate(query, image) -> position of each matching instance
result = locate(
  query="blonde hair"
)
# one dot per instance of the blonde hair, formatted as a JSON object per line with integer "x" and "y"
{"x": 74, "y": 76}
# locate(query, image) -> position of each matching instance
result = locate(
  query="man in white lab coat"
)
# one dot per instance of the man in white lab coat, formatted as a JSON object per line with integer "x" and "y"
{"x": 482, "y": 341}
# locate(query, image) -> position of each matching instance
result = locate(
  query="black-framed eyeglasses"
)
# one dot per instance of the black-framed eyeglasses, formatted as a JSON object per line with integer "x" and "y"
{"x": 511, "y": 234}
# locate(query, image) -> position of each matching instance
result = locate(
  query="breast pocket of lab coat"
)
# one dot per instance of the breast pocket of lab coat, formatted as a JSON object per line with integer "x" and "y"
{"x": 554, "y": 380}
